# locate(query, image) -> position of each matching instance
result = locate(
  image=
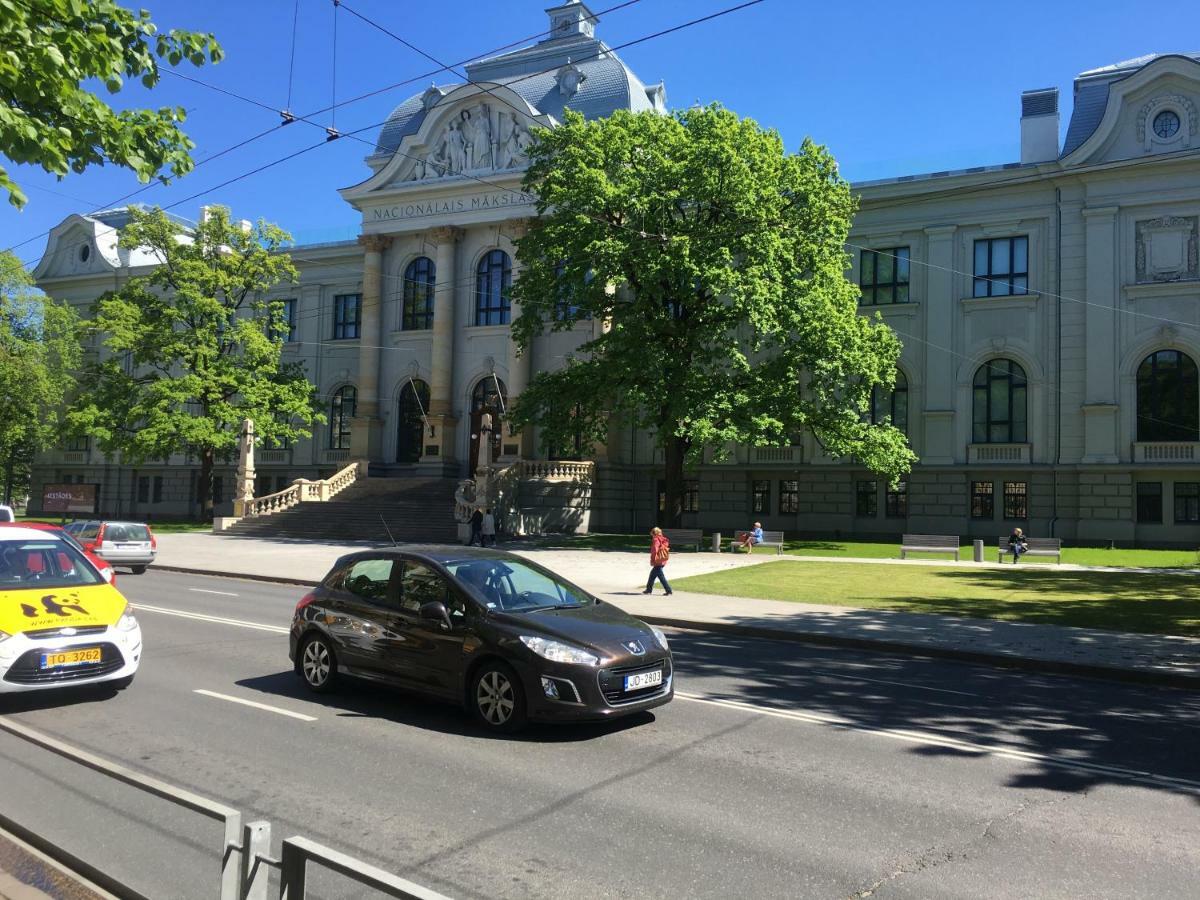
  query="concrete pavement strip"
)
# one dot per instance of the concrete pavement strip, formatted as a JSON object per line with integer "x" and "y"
{"x": 1139, "y": 658}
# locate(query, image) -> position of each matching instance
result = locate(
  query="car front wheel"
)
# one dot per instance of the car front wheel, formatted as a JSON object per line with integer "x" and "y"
{"x": 318, "y": 665}
{"x": 497, "y": 699}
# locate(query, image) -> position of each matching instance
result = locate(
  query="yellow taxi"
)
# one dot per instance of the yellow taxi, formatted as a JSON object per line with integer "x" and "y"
{"x": 61, "y": 623}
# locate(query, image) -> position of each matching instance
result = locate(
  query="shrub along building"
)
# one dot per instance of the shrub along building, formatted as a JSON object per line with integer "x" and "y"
{"x": 1048, "y": 308}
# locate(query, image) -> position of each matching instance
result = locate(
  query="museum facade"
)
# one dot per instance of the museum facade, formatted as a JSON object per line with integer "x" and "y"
{"x": 1048, "y": 310}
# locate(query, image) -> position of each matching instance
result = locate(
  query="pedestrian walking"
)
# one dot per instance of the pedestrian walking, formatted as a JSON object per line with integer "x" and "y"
{"x": 476, "y": 528}
{"x": 660, "y": 552}
{"x": 1017, "y": 544}
{"x": 487, "y": 528}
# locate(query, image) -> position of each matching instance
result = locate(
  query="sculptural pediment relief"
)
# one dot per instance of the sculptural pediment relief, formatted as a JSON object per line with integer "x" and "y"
{"x": 477, "y": 137}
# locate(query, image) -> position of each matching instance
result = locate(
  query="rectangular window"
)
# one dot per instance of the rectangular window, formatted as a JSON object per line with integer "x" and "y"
{"x": 79, "y": 445}
{"x": 1001, "y": 267}
{"x": 982, "y": 500}
{"x": 896, "y": 501}
{"x": 760, "y": 497}
{"x": 883, "y": 276}
{"x": 1187, "y": 501}
{"x": 1016, "y": 500}
{"x": 347, "y": 316}
{"x": 866, "y": 499}
{"x": 691, "y": 496}
{"x": 789, "y": 497}
{"x": 143, "y": 489}
{"x": 1149, "y": 502}
{"x": 157, "y": 489}
{"x": 289, "y": 319}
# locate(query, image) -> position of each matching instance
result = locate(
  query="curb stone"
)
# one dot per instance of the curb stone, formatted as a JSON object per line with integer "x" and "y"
{"x": 999, "y": 660}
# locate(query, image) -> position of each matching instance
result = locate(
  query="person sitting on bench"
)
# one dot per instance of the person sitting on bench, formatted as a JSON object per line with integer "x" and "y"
{"x": 750, "y": 538}
{"x": 1017, "y": 544}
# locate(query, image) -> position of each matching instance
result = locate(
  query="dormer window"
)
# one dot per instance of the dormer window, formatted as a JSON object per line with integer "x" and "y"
{"x": 85, "y": 252}
{"x": 1166, "y": 124}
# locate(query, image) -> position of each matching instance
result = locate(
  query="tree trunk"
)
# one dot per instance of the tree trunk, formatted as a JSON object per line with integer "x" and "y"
{"x": 8, "y": 480}
{"x": 204, "y": 484}
{"x": 675, "y": 453}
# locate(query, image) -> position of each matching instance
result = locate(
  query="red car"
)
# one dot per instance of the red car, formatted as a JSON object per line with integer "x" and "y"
{"x": 104, "y": 568}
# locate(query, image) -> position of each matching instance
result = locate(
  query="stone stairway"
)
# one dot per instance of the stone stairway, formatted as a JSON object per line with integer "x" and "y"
{"x": 416, "y": 510}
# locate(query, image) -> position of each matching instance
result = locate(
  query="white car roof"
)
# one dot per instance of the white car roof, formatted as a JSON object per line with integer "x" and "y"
{"x": 17, "y": 533}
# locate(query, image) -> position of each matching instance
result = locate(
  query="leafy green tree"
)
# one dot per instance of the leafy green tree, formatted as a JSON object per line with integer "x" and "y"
{"x": 732, "y": 319}
{"x": 193, "y": 348}
{"x": 39, "y": 353}
{"x": 48, "y": 49}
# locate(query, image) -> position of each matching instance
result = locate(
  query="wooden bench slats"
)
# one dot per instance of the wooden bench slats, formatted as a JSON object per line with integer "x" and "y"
{"x": 684, "y": 536}
{"x": 929, "y": 543}
{"x": 1033, "y": 547}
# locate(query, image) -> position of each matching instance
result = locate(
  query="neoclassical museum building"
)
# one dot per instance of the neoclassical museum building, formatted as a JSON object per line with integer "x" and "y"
{"x": 1049, "y": 310}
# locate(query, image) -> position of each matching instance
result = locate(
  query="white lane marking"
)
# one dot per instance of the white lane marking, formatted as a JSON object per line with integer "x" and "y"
{"x": 219, "y": 593}
{"x": 274, "y": 709}
{"x": 277, "y": 629}
{"x": 938, "y": 740}
{"x": 918, "y": 687}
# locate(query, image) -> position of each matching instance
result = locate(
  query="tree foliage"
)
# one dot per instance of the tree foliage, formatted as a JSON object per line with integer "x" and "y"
{"x": 194, "y": 347}
{"x": 39, "y": 354}
{"x": 48, "y": 49}
{"x": 732, "y": 319}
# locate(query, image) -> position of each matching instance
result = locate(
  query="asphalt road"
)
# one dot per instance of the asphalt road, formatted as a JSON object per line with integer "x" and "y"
{"x": 781, "y": 770}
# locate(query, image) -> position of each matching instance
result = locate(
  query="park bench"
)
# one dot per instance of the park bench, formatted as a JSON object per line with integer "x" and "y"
{"x": 928, "y": 543}
{"x": 770, "y": 539}
{"x": 684, "y": 536}
{"x": 1034, "y": 547}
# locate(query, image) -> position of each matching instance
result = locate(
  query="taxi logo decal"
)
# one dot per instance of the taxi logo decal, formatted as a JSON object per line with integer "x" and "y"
{"x": 52, "y": 608}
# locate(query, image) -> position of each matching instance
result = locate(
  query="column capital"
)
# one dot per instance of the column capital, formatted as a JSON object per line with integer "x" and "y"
{"x": 1100, "y": 212}
{"x": 518, "y": 228}
{"x": 446, "y": 234}
{"x": 375, "y": 243}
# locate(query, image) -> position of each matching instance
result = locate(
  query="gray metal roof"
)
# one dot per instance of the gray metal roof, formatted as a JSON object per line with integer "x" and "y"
{"x": 608, "y": 85}
{"x": 1091, "y": 96}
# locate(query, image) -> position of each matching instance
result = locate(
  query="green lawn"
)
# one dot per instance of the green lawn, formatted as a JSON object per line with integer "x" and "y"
{"x": 156, "y": 527}
{"x": 1164, "y": 603}
{"x": 1082, "y": 556}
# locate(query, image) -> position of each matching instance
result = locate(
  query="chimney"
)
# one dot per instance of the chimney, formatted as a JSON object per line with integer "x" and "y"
{"x": 1039, "y": 125}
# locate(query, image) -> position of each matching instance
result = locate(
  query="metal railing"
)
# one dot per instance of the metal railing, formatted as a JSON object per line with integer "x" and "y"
{"x": 246, "y": 862}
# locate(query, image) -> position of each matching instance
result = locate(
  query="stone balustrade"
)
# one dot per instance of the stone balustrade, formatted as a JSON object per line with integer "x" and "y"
{"x": 557, "y": 470}
{"x": 1166, "y": 451}
{"x": 302, "y": 490}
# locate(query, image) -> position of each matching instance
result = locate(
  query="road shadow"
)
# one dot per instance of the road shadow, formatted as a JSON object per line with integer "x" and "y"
{"x": 1061, "y": 719}
{"x": 363, "y": 699}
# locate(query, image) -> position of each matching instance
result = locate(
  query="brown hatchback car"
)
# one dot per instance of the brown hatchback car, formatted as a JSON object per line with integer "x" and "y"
{"x": 503, "y": 636}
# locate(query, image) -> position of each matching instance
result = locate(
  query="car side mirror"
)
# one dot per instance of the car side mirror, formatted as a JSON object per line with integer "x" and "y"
{"x": 436, "y": 610}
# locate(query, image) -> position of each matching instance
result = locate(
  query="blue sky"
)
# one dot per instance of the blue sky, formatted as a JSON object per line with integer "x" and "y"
{"x": 892, "y": 88}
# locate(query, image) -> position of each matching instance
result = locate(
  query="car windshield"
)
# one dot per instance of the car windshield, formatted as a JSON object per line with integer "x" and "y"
{"x": 45, "y": 563}
{"x": 514, "y": 586}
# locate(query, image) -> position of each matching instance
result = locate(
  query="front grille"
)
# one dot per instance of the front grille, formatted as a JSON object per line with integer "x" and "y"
{"x": 612, "y": 682}
{"x": 27, "y": 671}
{"x": 44, "y": 634}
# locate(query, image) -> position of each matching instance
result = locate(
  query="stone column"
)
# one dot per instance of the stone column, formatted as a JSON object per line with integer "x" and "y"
{"x": 940, "y": 316}
{"x": 1100, "y": 330}
{"x": 439, "y": 448}
{"x": 519, "y": 364}
{"x": 366, "y": 428}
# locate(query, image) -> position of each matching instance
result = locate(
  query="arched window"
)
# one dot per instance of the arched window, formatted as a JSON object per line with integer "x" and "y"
{"x": 341, "y": 411}
{"x": 417, "y": 306}
{"x": 1168, "y": 400}
{"x": 999, "y": 407}
{"x": 891, "y": 405}
{"x": 410, "y": 421}
{"x": 490, "y": 393}
{"x": 493, "y": 279}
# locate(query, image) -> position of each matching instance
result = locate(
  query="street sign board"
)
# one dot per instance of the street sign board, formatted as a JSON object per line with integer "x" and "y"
{"x": 70, "y": 498}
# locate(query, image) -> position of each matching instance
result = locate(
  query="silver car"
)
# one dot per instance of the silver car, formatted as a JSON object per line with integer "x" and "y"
{"x": 120, "y": 543}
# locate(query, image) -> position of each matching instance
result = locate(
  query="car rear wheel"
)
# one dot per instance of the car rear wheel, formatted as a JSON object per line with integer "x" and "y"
{"x": 318, "y": 665}
{"x": 497, "y": 699}
{"x": 138, "y": 570}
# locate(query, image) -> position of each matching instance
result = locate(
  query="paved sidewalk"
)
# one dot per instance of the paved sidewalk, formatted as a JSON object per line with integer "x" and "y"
{"x": 619, "y": 578}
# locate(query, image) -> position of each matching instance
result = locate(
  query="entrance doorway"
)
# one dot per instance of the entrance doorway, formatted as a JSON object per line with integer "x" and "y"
{"x": 410, "y": 424}
{"x": 490, "y": 396}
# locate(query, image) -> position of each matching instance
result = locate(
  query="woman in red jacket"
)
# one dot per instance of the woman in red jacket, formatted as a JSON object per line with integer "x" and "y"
{"x": 660, "y": 552}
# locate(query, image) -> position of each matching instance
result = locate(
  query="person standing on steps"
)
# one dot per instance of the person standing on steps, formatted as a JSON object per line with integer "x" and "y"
{"x": 660, "y": 552}
{"x": 476, "y": 528}
{"x": 488, "y": 529}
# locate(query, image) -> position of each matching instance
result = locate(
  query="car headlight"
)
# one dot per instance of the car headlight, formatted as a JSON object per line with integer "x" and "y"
{"x": 127, "y": 622}
{"x": 660, "y": 637}
{"x": 557, "y": 651}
